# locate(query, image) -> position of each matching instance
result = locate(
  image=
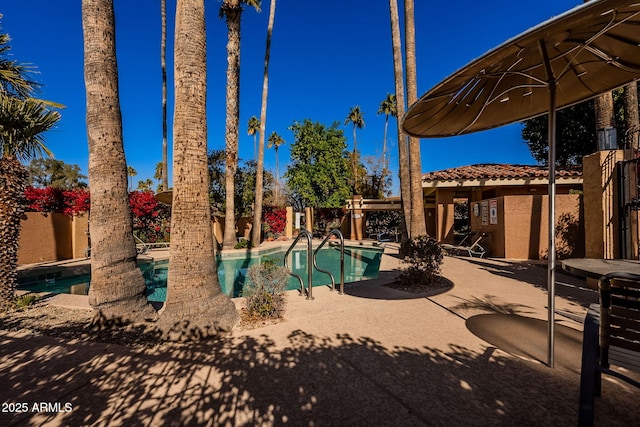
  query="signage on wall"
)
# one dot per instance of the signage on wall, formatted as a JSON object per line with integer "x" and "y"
{"x": 493, "y": 211}
{"x": 485, "y": 212}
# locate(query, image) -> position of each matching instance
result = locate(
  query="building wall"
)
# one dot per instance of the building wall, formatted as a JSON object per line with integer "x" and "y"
{"x": 521, "y": 231}
{"x": 600, "y": 210}
{"x": 444, "y": 214}
{"x": 45, "y": 238}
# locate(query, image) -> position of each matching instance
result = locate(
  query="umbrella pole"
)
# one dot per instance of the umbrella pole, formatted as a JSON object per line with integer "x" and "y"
{"x": 551, "y": 268}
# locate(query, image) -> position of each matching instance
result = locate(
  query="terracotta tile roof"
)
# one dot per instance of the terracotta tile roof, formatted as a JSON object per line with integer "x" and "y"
{"x": 499, "y": 171}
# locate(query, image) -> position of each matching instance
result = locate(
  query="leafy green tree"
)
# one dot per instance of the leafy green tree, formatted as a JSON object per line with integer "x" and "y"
{"x": 48, "y": 172}
{"x": 576, "y": 129}
{"x": 245, "y": 179}
{"x": 318, "y": 175}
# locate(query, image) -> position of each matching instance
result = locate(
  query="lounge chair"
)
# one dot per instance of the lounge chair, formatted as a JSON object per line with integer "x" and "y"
{"x": 475, "y": 249}
{"x": 611, "y": 337}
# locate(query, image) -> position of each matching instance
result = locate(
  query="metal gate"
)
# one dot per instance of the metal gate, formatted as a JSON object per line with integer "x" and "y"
{"x": 629, "y": 203}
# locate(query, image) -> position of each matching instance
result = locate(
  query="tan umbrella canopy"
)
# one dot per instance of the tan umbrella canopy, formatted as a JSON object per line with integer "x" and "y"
{"x": 591, "y": 49}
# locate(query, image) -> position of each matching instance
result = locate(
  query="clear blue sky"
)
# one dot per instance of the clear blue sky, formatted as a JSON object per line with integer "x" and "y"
{"x": 327, "y": 56}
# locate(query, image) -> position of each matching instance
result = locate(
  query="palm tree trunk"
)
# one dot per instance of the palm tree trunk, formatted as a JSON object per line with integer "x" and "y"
{"x": 233, "y": 116}
{"x": 403, "y": 152}
{"x": 163, "y": 60}
{"x": 13, "y": 181}
{"x": 117, "y": 286}
{"x": 418, "y": 225}
{"x": 257, "y": 206}
{"x": 195, "y": 306}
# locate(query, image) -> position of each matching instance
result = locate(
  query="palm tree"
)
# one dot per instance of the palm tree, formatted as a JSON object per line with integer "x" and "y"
{"x": 14, "y": 79}
{"x": 356, "y": 118}
{"x": 22, "y": 123}
{"x": 631, "y": 114}
{"x": 403, "y": 151}
{"x": 195, "y": 305}
{"x": 388, "y": 108}
{"x": 418, "y": 224}
{"x": 232, "y": 11}
{"x": 132, "y": 173}
{"x": 117, "y": 285}
{"x": 253, "y": 128}
{"x": 257, "y": 205}
{"x": 275, "y": 141}
{"x": 163, "y": 62}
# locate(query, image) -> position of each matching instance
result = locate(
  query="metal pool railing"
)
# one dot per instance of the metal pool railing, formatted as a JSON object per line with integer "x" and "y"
{"x": 303, "y": 291}
{"x": 337, "y": 233}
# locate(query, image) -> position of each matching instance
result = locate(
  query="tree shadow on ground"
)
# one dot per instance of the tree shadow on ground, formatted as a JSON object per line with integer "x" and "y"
{"x": 300, "y": 379}
{"x": 570, "y": 288}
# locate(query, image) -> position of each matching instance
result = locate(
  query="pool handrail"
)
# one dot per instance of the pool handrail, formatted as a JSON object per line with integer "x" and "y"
{"x": 309, "y": 237}
{"x": 335, "y": 232}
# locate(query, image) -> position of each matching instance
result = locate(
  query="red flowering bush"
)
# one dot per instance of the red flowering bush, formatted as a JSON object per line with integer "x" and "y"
{"x": 151, "y": 220}
{"x": 274, "y": 220}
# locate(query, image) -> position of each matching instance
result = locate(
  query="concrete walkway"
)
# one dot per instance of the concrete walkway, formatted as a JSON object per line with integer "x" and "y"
{"x": 473, "y": 355}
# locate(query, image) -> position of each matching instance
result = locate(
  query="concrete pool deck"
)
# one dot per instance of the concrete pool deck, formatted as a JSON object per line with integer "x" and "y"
{"x": 473, "y": 355}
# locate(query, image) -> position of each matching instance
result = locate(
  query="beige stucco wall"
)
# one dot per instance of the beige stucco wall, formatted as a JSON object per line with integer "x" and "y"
{"x": 444, "y": 213}
{"x": 522, "y": 228}
{"x": 44, "y": 238}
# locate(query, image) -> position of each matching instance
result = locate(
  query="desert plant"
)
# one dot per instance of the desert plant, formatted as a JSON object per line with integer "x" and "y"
{"x": 26, "y": 300}
{"x": 425, "y": 255}
{"x": 264, "y": 290}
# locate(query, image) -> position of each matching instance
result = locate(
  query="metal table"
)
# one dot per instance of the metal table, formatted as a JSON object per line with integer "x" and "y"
{"x": 596, "y": 268}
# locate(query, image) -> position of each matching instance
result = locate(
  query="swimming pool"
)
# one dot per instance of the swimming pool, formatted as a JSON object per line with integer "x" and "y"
{"x": 361, "y": 263}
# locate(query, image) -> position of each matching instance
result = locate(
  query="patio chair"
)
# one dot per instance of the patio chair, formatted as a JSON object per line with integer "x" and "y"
{"x": 611, "y": 337}
{"x": 475, "y": 249}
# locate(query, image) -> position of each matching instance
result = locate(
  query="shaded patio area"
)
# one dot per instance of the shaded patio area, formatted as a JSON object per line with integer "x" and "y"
{"x": 376, "y": 356}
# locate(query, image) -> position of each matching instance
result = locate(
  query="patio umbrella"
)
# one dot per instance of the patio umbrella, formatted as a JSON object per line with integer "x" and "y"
{"x": 588, "y": 50}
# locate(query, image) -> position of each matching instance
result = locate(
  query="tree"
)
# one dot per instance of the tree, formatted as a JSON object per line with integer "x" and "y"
{"x": 631, "y": 120}
{"x": 232, "y": 11}
{"x": 418, "y": 223}
{"x": 253, "y": 129}
{"x": 575, "y": 135}
{"x": 275, "y": 141}
{"x": 49, "y": 172}
{"x": 22, "y": 123}
{"x": 117, "y": 285}
{"x": 163, "y": 63}
{"x": 318, "y": 174}
{"x": 244, "y": 189}
{"x": 377, "y": 181}
{"x": 387, "y": 107}
{"x": 403, "y": 149}
{"x": 257, "y": 211}
{"x": 131, "y": 172}
{"x": 356, "y": 118}
{"x": 195, "y": 306}
{"x": 14, "y": 76}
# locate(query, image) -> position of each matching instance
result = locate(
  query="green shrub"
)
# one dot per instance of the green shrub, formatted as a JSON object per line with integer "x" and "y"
{"x": 242, "y": 244}
{"x": 264, "y": 290}
{"x": 425, "y": 255}
{"x": 26, "y": 300}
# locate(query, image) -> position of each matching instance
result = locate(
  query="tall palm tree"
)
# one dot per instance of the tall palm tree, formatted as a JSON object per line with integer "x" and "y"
{"x": 14, "y": 79}
{"x": 195, "y": 305}
{"x": 232, "y": 11}
{"x": 22, "y": 123}
{"x": 257, "y": 205}
{"x": 356, "y": 118}
{"x": 163, "y": 62}
{"x": 403, "y": 149}
{"x": 117, "y": 286}
{"x": 253, "y": 129}
{"x": 132, "y": 173}
{"x": 388, "y": 108}
{"x": 275, "y": 141}
{"x": 418, "y": 224}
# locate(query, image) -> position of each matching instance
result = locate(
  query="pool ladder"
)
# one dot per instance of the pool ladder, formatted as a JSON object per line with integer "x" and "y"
{"x": 311, "y": 262}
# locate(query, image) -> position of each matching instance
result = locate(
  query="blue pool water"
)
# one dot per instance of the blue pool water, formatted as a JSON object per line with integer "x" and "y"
{"x": 360, "y": 264}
